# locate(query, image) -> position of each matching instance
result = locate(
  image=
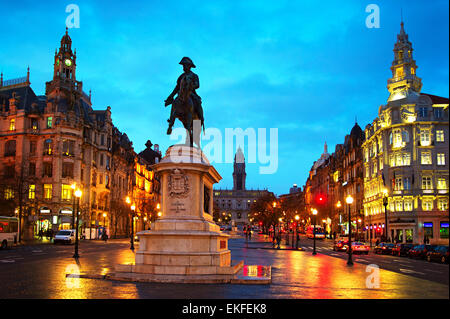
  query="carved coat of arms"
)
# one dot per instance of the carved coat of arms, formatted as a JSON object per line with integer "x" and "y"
{"x": 178, "y": 184}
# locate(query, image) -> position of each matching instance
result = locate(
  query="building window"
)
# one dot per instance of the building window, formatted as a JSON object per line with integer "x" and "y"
{"x": 101, "y": 159}
{"x": 12, "y": 124}
{"x": 32, "y": 147}
{"x": 398, "y": 183}
{"x": 9, "y": 193}
{"x": 381, "y": 163}
{"x": 437, "y": 112}
{"x": 439, "y": 135}
{"x": 48, "y": 191}
{"x": 48, "y": 169}
{"x": 425, "y": 139}
{"x": 425, "y": 158}
{"x": 428, "y": 229}
{"x": 10, "y": 148}
{"x": 67, "y": 170}
{"x": 443, "y": 231}
{"x": 426, "y": 182}
{"x": 32, "y": 191}
{"x": 34, "y": 124}
{"x": 406, "y": 183}
{"x": 68, "y": 148}
{"x": 397, "y": 138}
{"x": 405, "y": 136}
{"x": 48, "y": 147}
{"x": 422, "y": 112}
{"x": 49, "y": 122}
{"x": 66, "y": 192}
{"x": 398, "y": 206}
{"x": 408, "y": 205}
{"x": 441, "y": 183}
{"x": 441, "y": 159}
{"x": 442, "y": 204}
{"x": 427, "y": 204}
{"x": 406, "y": 159}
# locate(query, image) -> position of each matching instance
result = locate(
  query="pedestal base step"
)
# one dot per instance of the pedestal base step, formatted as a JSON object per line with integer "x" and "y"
{"x": 247, "y": 275}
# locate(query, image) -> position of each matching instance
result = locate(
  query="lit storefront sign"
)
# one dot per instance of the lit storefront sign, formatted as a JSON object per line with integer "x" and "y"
{"x": 55, "y": 220}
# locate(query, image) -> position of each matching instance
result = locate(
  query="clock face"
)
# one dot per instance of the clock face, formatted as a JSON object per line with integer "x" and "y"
{"x": 68, "y": 62}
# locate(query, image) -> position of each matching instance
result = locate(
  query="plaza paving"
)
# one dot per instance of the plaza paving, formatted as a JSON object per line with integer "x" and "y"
{"x": 40, "y": 272}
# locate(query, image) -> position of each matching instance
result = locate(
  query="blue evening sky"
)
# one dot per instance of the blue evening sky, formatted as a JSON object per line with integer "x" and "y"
{"x": 304, "y": 67}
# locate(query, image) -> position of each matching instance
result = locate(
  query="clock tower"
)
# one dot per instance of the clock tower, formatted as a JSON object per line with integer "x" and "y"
{"x": 64, "y": 67}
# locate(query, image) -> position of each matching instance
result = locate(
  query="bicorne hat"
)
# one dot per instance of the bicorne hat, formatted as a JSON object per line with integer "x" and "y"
{"x": 186, "y": 60}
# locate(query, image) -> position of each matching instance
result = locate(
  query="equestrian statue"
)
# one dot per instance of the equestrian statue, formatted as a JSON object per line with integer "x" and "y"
{"x": 187, "y": 106}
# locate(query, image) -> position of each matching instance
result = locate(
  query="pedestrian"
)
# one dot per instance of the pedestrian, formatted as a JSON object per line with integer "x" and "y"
{"x": 105, "y": 236}
{"x": 298, "y": 239}
{"x": 40, "y": 233}
{"x": 249, "y": 234}
{"x": 278, "y": 240}
{"x": 334, "y": 235}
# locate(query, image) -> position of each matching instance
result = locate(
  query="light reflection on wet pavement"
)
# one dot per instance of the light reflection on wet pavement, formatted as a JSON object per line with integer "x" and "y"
{"x": 295, "y": 274}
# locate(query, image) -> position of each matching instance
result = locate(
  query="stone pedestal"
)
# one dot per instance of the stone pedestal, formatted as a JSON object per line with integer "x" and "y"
{"x": 185, "y": 245}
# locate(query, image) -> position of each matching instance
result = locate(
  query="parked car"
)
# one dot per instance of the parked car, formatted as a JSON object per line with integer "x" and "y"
{"x": 65, "y": 236}
{"x": 401, "y": 249}
{"x": 420, "y": 251}
{"x": 222, "y": 228}
{"x": 383, "y": 248}
{"x": 340, "y": 245}
{"x": 359, "y": 248}
{"x": 440, "y": 253}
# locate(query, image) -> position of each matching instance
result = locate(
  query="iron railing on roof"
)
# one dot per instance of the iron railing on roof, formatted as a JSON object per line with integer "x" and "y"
{"x": 22, "y": 79}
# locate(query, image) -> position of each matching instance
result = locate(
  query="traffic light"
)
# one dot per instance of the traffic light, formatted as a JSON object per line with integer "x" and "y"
{"x": 321, "y": 199}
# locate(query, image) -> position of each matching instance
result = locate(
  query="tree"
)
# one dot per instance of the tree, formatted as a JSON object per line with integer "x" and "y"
{"x": 264, "y": 212}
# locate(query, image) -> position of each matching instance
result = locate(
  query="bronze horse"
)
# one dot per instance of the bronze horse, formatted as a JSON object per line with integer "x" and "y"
{"x": 184, "y": 111}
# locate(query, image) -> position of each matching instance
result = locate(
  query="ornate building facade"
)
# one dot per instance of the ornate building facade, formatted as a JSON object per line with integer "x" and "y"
{"x": 237, "y": 202}
{"x": 406, "y": 153}
{"x": 49, "y": 143}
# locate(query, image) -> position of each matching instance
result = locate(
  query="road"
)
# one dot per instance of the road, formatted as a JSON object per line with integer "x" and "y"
{"x": 413, "y": 267}
{"x": 39, "y": 271}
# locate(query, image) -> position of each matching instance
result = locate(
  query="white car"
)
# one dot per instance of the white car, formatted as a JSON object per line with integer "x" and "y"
{"x": 66, "y": 236}
{"x": 360, "y": 248}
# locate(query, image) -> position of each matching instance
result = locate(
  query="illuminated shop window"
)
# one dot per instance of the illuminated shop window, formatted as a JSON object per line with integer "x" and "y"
{"x": 49, "y": 122}
{"x": 443, "y": 231}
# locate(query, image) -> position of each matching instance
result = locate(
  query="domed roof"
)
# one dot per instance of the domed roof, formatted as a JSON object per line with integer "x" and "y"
{"x": 66, "y": 39}
{"x": 356, "y": 131}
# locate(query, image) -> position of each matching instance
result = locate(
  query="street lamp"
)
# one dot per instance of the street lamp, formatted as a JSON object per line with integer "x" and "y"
{"x": 338, "y": 205}
{"x": 133, "y": 207}
{"x": 349, "y": 201}
{"x": 385, "y": 203}
{"x": 104, "y": 222}
{"x": 297, "y": 220}
{"x": 314, "y": 212}
{"x": 73, "y": 186}
{"x": 78, "y": 194}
